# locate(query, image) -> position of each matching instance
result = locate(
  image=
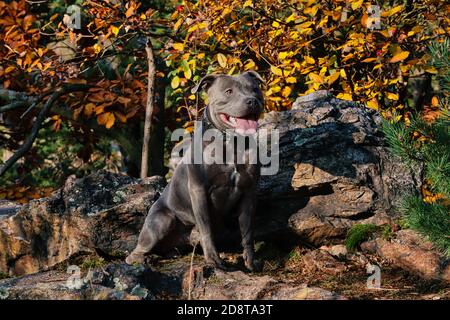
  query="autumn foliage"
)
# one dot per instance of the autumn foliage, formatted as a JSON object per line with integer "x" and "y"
{"x": 298, "y": 46}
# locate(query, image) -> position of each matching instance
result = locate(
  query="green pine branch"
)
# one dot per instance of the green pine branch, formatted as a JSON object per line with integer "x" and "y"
{"x": 431, "y": 220}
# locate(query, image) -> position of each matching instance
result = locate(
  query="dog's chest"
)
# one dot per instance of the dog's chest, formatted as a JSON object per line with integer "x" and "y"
{"x": 229, "y": 182}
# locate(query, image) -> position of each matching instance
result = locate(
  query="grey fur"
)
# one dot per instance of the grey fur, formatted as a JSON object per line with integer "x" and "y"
{"x": 200, "y": 196}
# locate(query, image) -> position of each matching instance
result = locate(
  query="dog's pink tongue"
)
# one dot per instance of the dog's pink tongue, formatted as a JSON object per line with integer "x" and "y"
{"x": 246, "y": 126}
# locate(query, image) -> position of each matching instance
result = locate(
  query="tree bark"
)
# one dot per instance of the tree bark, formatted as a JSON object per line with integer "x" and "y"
{"x": 148, "y": 109}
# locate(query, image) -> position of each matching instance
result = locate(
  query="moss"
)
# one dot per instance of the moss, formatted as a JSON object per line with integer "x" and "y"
{"x": 294, "y": 255}
{"x": 359, "y": 233}
{"x": 92, "y": 263}
{"x": 386, "y": 232}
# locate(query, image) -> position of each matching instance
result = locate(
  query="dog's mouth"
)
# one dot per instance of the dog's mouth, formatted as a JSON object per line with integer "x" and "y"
{"x": 242, "y": 125}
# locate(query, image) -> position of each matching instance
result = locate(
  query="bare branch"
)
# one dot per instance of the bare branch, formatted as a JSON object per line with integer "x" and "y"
{"x": 38, "y": 122}
{"x": 14, "y": 105}
{"x": 148, "y": 108}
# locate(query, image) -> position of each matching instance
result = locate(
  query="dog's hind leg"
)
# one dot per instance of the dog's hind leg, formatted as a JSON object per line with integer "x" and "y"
{"x": 156, "y": 227}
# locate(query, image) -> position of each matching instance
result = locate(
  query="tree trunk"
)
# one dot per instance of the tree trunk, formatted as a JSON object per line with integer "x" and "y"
{"x": 148, "y": 109}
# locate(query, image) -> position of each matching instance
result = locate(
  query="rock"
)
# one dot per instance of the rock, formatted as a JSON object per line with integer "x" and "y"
{"x": 238, "y": 285}
{"x": 8, "y": 208}
{"x": 339, "y": 251}
{"x": 334, "y": 171}
{"x": 56, "y": 285}
{"x": 321, "y": 261}
{"x": 102, "y": 212}
{"x": 410, "y": 251}
{"x": 118, "y": 281}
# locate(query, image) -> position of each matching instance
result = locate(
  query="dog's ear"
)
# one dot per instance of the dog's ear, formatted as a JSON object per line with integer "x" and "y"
{"x": 254, "y": 76}
{"x": 205, "y": 83}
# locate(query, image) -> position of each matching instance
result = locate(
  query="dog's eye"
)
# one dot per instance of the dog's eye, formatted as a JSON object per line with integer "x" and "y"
{"x": 229, "y": 92}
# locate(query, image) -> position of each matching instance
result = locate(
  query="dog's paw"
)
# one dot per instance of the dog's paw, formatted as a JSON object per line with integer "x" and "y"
{"x": 254, "y": 266}
{"x": 217, "y": 264}
{"x": 134, "y": 258}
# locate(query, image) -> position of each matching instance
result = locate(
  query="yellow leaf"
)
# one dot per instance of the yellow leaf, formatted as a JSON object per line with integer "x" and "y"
{"x": 291, "y": 80}
{"x": 178, "y": 46}
{"x": 315, "y": 77}
{"x": 110, "y": 121}
{"x": 175, "y": 82}
{"x": 222, "y": 59}
{"x": 89, "y": 109}
{"x": 286, "y": 92}
{"x": 344, "y": 96}
{"x": 282, "y": 55}
{"x": 249, "y": 65}
{"x": 9, "y": 69}
{"x": 394, "y": 10}
{"x": 191, "y": 97}
{"x": 143, "y": 16}
{"x": 378, "y": 66}
{"x": 343, "y": 73}
{"x": 248, "y": 3}
{"x": 356, "y": 4}
{"x": 290, "y": 18}
{"x": 431, "y": 70}
{"x": 309, "y": 60}
{"x": 97, "y": 48}
{"x": 399, "y": 56}
{"x": 373, "y": 104}
{"x": 177, "y": 24}
{"x": 369, "y": 60}
{"x": 115, "y": 30}
{"x": 275, "y": 24}
{"x": 434, "y": 101}
{"x": 276, "y": 71}
{"x": 391, "y": 96}
{"x": 187, "y": 73}
{"x": 275, "y": 89}
{"x": 332, "y": 78}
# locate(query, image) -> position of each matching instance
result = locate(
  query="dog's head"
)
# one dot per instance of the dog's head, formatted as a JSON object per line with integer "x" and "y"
{"x": 234, "y": 102}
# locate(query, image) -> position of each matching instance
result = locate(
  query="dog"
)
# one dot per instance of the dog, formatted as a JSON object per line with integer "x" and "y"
{"x": 200, "y": 195}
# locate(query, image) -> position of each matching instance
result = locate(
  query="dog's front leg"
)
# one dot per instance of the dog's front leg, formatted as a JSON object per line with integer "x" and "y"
{"x": 200, "y": 210}
{"x": 246, "y": 215}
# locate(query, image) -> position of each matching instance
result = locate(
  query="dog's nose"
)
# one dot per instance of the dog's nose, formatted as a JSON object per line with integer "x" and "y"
{"x": 251, "y": 102}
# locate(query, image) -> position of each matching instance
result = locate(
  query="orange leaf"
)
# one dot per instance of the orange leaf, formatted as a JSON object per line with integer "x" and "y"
{"x": 315, "y": 77}
{"x": 130, "y": 10}
{"x": 333, "y": 78}
{"x": 399, "y": 57}
{"x": 111, "y": 120}
{"x": 102, "y": 119}
{"x": 434, "y": 101}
